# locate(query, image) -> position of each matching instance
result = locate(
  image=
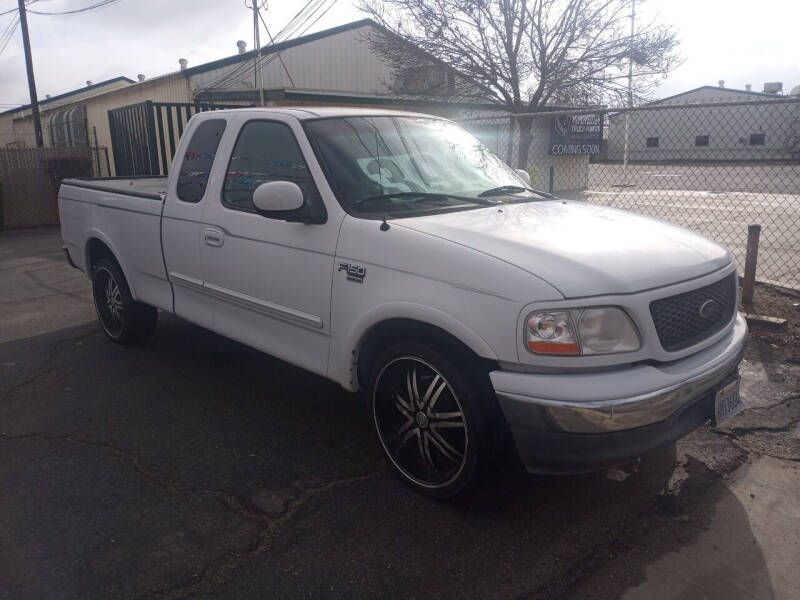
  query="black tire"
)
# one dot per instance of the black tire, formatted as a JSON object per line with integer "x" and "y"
{"x": 436, "y": 417}
{"x": 124, "y": 320}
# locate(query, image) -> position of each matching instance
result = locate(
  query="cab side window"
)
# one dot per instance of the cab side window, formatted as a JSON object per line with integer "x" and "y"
{"x": 196, "y": 165}
{"x": 265, "y": 151}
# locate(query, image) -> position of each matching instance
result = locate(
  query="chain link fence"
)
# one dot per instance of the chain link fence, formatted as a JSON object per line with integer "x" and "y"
{"x": 30, "y": 178}
{"x": 713, "y": 167}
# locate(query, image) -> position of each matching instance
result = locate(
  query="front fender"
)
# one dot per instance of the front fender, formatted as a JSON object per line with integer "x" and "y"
{"x": 342, "y": 366}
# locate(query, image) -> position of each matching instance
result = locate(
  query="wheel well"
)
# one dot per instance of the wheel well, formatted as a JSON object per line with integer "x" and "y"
{"x": 96, "y": 250}
{"x": 394, "y": 330}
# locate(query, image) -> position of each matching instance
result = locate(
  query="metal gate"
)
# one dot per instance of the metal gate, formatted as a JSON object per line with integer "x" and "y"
{"x": 144, "y": 135}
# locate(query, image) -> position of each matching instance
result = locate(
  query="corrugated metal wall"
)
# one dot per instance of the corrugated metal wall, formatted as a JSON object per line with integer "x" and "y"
{"x": 340, "y": 62}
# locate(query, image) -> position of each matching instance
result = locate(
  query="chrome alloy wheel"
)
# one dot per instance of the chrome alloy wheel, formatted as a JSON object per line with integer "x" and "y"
{"x": 420, "y": 422}
{"x": 109, "y": 302}
{"x": 114, "y": 300}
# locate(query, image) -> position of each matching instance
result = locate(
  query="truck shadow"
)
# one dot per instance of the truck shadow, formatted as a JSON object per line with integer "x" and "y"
{"x": 197, "y": 413}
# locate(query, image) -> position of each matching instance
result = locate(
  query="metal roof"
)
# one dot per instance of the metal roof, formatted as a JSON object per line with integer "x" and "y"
{"x": 715, "y": 88}
{"x": 303, "y": 39}
{"x": 71, "y": 93}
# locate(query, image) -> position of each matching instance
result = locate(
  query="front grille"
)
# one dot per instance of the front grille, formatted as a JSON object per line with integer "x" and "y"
{"x": 686, "y": 319}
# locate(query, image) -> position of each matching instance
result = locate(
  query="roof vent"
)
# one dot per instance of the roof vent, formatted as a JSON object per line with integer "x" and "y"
{"x": 748, "y": 87}
{"x": 722, "y": 83}
{"x": 773, "y": 87}
{"x": 140, "y": 77}
{"x": 183, "y": 62}
{"x": 47, "y": 96}
{"x": 88, "y": 83}
{"x": 242, "y": 45}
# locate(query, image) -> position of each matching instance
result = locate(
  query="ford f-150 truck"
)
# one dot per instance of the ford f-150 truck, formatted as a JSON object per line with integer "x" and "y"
{"x": 394, "y": 254}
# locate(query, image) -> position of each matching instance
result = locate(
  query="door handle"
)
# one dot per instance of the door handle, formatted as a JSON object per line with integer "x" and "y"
{"x": 213, "y": 237}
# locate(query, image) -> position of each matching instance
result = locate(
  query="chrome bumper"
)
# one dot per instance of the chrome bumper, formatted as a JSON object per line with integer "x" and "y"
{"x": 594, "y": 403}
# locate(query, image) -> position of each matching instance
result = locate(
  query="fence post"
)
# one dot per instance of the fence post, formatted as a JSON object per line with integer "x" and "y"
{"x": 552, "y": 177}
{"x": 750, "y": 262}
{"x": 152, "y": 151}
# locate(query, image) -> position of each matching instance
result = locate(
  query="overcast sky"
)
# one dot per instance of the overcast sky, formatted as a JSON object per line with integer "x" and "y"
{"x": 740, "y": 41}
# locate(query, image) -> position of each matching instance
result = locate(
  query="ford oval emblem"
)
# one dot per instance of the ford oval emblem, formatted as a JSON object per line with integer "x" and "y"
{"x": 708, "y": 308}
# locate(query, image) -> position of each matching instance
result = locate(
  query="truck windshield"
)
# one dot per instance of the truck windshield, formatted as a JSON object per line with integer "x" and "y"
{"x": 411, "y": 164}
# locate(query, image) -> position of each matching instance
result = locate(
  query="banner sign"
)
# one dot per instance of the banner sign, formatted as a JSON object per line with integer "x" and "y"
{"x": 576, "y": 134}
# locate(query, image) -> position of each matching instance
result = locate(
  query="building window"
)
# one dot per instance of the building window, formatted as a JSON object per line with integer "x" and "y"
{"x": 652, "y": 142}
{"x": 701, "y": 140}
{"x": 757, "y": 139}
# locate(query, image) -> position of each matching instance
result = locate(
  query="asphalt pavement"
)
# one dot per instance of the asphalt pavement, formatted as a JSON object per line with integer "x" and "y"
{"x": 194, "y": 467}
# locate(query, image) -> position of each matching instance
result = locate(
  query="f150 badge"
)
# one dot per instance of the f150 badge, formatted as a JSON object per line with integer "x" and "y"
{"x": 354, "y": 272}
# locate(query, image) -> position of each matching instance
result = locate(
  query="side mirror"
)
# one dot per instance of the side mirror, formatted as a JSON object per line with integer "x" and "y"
{"x": 525, "y": 175}
{"x": 284, "y": 200}
{"x": 277, "y": 197}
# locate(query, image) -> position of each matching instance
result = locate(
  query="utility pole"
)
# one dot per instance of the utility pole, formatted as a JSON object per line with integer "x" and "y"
{"x": 26, "y": 43}
{"x": 630, "y": 89}
{"x": 257, "y": 57}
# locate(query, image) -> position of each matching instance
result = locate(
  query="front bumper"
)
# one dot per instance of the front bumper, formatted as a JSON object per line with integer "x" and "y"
{"x": 585, "y": 421}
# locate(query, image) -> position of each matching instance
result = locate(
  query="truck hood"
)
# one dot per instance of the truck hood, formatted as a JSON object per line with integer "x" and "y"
{"x": 581, "y": 249}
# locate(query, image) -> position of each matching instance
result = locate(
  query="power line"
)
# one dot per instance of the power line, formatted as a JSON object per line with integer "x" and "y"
{"x": 289, "y": 75}
{"x": 8, "y": 12}
{"x": 235, "y": 75}
{"x": 301, "y": 24}
{"x": 99, "y": 5}
{"x": 322, "y": 14}
{"x": 6, "y": 36}
{"x": 240, "y": 73}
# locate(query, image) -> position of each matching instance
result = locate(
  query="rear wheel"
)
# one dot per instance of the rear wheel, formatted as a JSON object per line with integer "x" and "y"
{"x": 439, "y": 425}
{"x": 124, "y": 320}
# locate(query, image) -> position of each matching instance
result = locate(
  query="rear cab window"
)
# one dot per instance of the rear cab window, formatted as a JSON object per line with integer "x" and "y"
{"x": 198, "y": 159}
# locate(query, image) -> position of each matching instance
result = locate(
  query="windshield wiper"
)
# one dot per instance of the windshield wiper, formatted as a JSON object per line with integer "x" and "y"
{"x": 421, "y": 197}
{"x": 504, "y": 190}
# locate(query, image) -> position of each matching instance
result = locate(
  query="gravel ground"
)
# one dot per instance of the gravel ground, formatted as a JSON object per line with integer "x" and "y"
{"x": 772, "y": 302}
{"x": 194, "y": 467}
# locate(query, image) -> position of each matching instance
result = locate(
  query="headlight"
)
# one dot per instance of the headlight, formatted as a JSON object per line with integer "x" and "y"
{"x": 601, "y": 330}
{"x": 552, "y": 333}
{"x": 607, "y": 330}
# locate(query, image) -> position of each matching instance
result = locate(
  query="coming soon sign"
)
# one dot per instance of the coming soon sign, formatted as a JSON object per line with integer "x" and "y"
{"x": 576, "y": 134}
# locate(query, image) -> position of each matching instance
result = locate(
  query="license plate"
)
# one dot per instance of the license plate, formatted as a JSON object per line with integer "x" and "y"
{"x": 728, "y": 402}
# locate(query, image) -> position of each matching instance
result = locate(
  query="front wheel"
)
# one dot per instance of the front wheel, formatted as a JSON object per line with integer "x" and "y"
{"x": 124, "y": 320}
{"x": 439, "y": 425}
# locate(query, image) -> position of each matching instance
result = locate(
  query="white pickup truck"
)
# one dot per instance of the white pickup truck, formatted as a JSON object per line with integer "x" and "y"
{"x": 394, "y": 254}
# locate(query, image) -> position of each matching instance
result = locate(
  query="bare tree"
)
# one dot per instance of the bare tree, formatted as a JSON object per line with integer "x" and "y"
{"x": 522, "y": 54}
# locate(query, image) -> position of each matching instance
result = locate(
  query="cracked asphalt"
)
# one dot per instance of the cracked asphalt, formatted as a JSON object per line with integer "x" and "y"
{"x": 194, "y": 467}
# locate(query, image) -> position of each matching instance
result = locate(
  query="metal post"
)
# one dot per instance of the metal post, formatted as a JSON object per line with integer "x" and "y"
{"x": 257, "y": 57}
{"x": 26, "y": 44}
{"x": 552, "y": 177}
{"x": 96, "y": 152}
{"x": 750, "y": 263}
{"x": 630, "y": 89}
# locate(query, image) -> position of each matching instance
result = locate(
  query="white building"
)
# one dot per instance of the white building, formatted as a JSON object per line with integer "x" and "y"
{"x": 711, "y": 123}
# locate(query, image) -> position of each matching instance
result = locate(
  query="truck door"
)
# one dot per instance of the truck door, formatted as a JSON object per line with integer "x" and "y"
{"x": 269, "y": 279}
{"x": 182, "y": 228}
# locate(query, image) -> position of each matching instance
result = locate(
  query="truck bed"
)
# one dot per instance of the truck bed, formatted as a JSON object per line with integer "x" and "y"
{"x": 146, "y": 186}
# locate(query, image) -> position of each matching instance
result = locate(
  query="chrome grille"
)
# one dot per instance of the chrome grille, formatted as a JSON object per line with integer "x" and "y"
{"x": 687, "y": 319}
